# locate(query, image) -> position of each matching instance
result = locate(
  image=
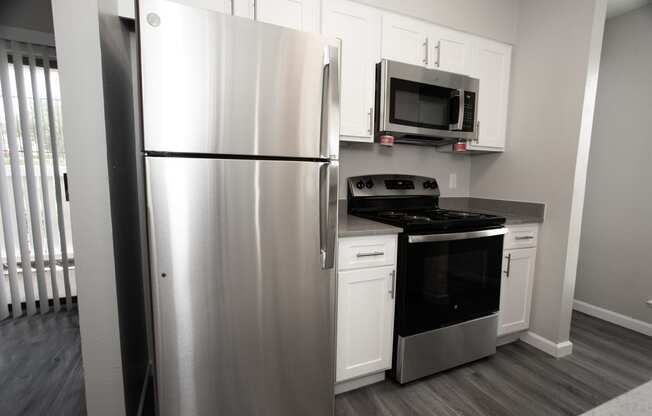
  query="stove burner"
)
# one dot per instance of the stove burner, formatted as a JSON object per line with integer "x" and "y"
{"x": 392, "y": 214}
{"x": 416, "y": 218}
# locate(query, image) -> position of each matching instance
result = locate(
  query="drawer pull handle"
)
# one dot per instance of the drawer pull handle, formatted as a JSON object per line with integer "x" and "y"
{"x": 371, "y": 254}
{"x": 529, "y": 237}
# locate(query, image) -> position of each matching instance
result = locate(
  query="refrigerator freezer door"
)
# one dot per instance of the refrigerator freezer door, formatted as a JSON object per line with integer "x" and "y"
{"x": 244, "y": 311}
{"x": 213, "y": 83}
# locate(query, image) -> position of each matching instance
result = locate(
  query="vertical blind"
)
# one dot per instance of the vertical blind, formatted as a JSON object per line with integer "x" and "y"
{"x": 36, "y": 253}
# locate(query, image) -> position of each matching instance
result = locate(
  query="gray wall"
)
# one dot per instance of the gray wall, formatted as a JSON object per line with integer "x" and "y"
{"x": 362, "y": 159}
{"x": 554, "y": 72}
{"x": 614, "y": 264}
{"x": 27, "y": 14}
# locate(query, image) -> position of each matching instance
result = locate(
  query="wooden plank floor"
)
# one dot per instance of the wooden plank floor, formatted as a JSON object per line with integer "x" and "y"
{"x": 519, "y": 380}
{"x": 41, "y": 374}
{"x": 40, "y": 366}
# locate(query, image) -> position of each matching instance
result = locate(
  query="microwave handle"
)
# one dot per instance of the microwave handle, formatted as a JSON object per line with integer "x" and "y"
{"x": 460, "y": 111}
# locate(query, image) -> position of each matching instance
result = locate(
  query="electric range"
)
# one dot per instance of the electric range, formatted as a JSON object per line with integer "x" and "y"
{"x": 449, "y": 270}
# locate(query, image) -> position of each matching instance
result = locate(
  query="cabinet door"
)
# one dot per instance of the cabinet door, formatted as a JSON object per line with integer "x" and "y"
{"x": 452, "y": 51}
{"x": 516, "y": 290}
{"x": 365, "y": 321}
{"x": 406, "y": 40}
{"x": 491, "y": 65}
{"x": 358, "y": 27}
{"x": 295, "y": 14}
{"x": 126, "y": 8}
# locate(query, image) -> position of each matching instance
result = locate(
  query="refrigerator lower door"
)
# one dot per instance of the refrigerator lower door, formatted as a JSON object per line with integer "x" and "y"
{"x": 219, "y": 84}
{"x": 244, "y": 308}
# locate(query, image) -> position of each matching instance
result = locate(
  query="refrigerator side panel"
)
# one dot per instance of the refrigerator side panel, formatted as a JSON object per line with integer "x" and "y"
{"x": 220, "y": 84}
{"x": 244, "y": 311}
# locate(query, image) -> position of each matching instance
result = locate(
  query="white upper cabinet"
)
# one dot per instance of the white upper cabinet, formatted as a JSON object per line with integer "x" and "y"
{"x": 452, "y": 51}
{"x": 491, "y": 64}
{"x": 406, "y": 40}
{"x": 416, "y": 42}
{"x": 294, "y": 14}
{"x": 127, "y": 8}
{"x": 358, "y": 28}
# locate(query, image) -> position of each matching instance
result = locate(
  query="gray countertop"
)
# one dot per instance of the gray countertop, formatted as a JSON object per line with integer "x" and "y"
{"x": 515, "y": 212}
{"x": 350, "y": 225}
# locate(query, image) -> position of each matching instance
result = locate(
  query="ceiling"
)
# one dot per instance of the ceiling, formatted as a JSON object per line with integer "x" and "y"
{"x": 618, "y": 7}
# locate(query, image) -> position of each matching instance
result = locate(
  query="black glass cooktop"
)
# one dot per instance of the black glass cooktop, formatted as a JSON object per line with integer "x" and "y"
{"x": 434, "y": 219}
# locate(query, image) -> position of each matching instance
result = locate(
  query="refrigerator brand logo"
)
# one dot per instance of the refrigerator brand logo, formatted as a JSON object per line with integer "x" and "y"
{"x": 153, "y": 19}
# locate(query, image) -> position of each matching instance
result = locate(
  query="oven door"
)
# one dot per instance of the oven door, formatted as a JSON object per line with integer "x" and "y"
{"x": 415, "y": 101}
{"x": 445, "y": 279}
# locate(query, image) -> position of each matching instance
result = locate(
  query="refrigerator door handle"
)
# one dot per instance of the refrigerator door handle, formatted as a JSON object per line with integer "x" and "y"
{"x": 330, "y": 109}
{"x": 328, "y": 180}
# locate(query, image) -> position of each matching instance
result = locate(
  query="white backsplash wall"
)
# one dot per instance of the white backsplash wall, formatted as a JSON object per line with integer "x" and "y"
{"x": 363, "y": 159}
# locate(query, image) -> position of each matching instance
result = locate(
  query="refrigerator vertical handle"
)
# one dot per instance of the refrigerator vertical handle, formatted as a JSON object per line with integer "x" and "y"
{"x": 330, "y": 108}
{"x": 328, "y": 182}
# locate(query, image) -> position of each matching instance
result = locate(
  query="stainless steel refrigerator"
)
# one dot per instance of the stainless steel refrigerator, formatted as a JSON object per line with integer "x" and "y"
{"x": 241, "y": 131}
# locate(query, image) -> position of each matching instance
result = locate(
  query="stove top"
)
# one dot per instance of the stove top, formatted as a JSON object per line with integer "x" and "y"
{"x": 410, "y": 202}
{"x": 434, "y": 219}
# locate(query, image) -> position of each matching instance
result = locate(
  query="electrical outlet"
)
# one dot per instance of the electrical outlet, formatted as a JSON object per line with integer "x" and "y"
{"x": 452, "y": 181}
{"x": 649, "y": 303}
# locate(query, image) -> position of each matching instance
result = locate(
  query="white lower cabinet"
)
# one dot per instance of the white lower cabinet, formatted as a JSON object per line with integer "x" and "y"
{"x": 365, "y": 321}
{"x": 365, "y": 307}
{"x": 518, "y": 279}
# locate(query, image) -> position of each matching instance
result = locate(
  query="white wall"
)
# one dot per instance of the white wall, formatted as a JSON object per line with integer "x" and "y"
{"x": 76, "y": 28}
{"x": 363, "y": 159}
{"x": 494, "y": 19}
{"x": 614, "y": 262}
{"x": 554, "y": 74}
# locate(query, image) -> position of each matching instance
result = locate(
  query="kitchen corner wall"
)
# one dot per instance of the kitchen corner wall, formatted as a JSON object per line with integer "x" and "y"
{"x": 364, "y": 159}
{"x": 554, "y": 78}
{"x": 496, "y": 19}
{"x": 614, "y": 266}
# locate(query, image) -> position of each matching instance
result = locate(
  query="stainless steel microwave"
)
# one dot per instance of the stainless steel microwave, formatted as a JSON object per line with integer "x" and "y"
{"x": 424, "y": 106}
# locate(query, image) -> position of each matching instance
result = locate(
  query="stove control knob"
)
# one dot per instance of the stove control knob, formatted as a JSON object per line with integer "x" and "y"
{"x": 426, "y": 184}
{"x": 359, "y": 185}
{"x": 369, "y": 184}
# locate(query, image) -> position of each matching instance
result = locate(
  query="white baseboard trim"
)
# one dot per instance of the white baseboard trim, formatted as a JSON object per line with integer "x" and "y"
{"x": 613, "y": 317}
{"x": 557, "y": 350}
{"x": 508, "y": 339}
{"x": 359, "y": 382}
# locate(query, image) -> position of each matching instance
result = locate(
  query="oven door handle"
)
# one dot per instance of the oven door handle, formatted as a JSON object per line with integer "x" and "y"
{"x": 429, "y": 238}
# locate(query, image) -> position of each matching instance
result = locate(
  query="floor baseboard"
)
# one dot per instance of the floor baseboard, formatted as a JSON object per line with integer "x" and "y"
{"x": 359, "y": 382}
{"x": 613, "y": 317}
{"x": 557, "y": 350}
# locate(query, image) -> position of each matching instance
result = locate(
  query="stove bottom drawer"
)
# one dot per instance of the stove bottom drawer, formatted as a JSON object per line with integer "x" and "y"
{"x": 430, "y": 352}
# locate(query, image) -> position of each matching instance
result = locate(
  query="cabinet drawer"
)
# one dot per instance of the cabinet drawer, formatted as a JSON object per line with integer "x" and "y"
{"x": 367, "y": 251}
{"x": 521, "y": 236}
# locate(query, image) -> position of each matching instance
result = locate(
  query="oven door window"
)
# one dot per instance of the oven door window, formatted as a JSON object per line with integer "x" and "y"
{"x": 422, "y": 105}
{"x": 448, "y": 282}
